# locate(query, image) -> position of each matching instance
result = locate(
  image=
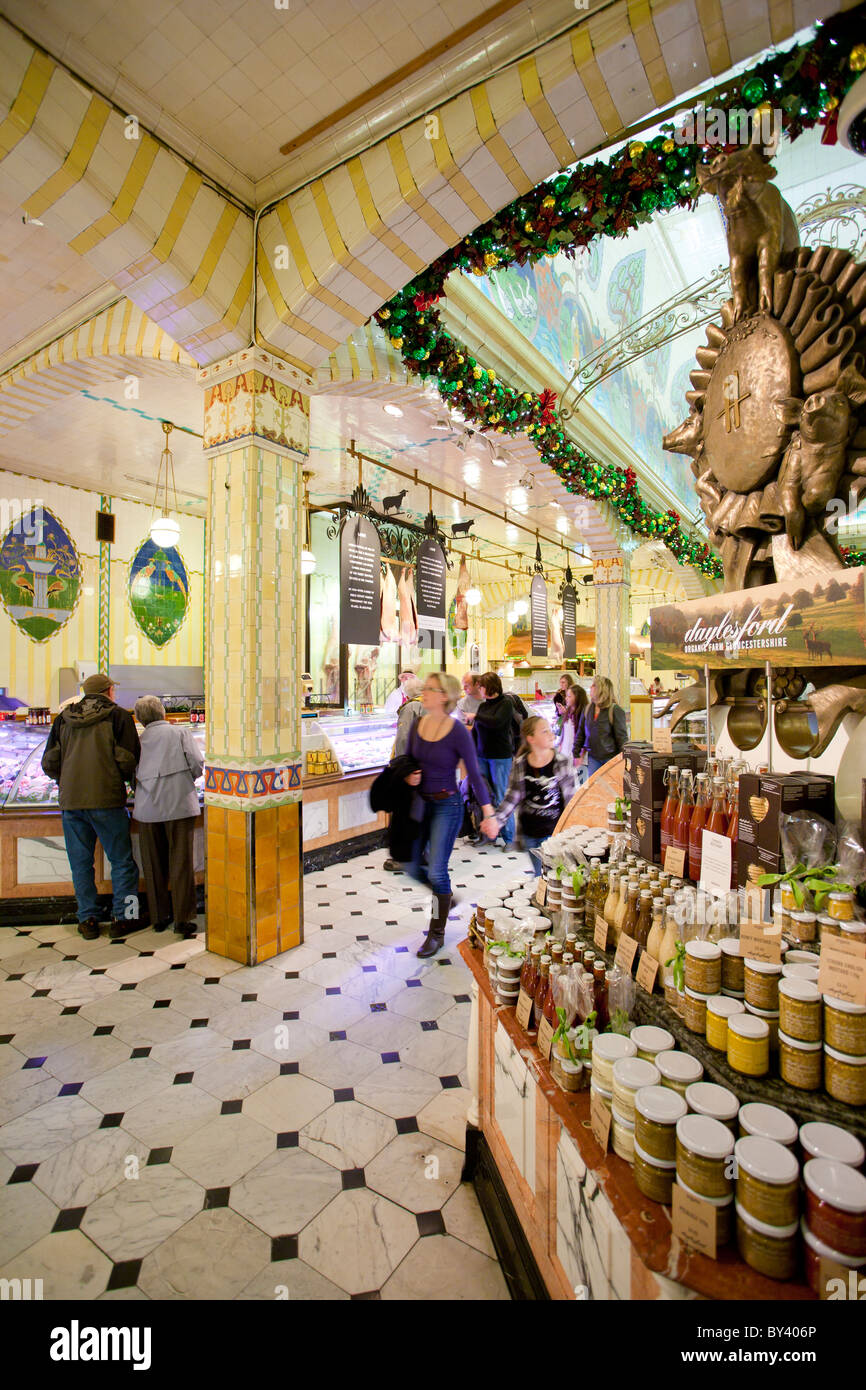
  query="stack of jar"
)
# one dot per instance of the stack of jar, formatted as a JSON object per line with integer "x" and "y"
{"x": 703, "y": 1166}
{"x": 630, "y": 1075}
{"x": 767, "y": 1205}
{"x": 832, "y": 1226}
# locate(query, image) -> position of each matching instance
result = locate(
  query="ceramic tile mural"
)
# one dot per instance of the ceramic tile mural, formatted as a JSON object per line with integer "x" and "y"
{"x": 40, "y": 573}
{"x": 158, "y": 591}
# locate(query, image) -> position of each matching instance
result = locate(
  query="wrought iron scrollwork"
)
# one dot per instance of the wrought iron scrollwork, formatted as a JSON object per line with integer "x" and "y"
{"x": 398, "y": 540}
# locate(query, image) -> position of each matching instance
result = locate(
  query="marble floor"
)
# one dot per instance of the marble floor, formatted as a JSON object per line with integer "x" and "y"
{"x": 176, "y": 1126}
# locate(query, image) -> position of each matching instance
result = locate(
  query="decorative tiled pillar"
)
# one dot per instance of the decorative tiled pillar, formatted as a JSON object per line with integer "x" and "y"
{"x": 256, "y": 435}
{"x": 612, "y": 582}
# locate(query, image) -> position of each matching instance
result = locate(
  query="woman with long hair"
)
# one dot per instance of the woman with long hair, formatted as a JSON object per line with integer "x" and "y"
{"x": 539, "y": 788}
{"x": 570, "y": 723}
{"x": 604, "y": 725}
{"x": 439, "y": 743}
{"x": 566, "y": 682}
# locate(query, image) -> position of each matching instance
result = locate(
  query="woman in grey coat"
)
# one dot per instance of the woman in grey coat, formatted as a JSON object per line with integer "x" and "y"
{"x": 166, "y": 807}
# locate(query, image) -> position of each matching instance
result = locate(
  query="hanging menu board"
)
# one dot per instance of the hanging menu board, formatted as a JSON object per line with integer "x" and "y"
{"x": 538, "y": 615}
{"x": 569, "y": 621}
{"x": 430, "y": 583}
{"x": 360, "y": 581}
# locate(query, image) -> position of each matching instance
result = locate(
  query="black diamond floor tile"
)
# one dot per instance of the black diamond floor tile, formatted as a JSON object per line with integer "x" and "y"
{"x": 161, "y": 1003}
{"x": 390, "y": 1057}
{"x": 124, "y": 1275}
{"x": 70, "y": 1088}
{"x": 69, "y": 1220}
{"x": 158, "y": 1156}
{"x": 183, "y": 1078}
{"x": 352, "y": 1178}
{"x": 40, "y": 994}
{"x": 199, "y": 1023}
{"x": 345, "y": 1093}
{"x": 23, "y": 1173}
{"x": 378, "y": 1008}
{"x": 71, "y": 1009}
{"x": 104, "y": 1030}
{"x": 231, "y": 1107}
{"x": 430, "y": 1223}
{"x": 138, "y": 1052}
{"x": 413, "y": 984}
{"x": 429, "y": 1025}
{"x": 241, "y": 1045}
{"x": 369, "y": 969}
{"x": 291, "y": 1014}
{"x": 338, "y": 1035}
{"x": 449, "y": 1083}
{"x": 33, "y": 1063}
{"x": 289, "y": 1068}
{"x": 249, "y": 998}
{"x": 407, "y": 1125}
{"x": 216, "y": 1197}
{"x": 333, "y": 989}
{"x": 462, "y": 999}
{"x": 112, "y": 1121}
{"x": 288, "y": 1140}
{"x": 364, "y": 1297}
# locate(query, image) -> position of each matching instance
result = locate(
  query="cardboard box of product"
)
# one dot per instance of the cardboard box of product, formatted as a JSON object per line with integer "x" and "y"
{"x": 645, "y": 769}
{"x": 764, "y": 798}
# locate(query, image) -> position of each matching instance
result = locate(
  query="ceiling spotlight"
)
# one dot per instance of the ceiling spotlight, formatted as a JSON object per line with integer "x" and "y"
{"x": 391, "y": 409}
{"x": 527, "y": 481}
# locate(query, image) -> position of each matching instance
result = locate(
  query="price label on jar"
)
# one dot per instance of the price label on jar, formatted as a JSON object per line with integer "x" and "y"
{"x": 842, "y": 972}
{"x": 541, "y": 893}
{"x": 693, "y": 1221}
{"x": 646, "y": 973}
{"x": 600, "y": 934}
{"x": 675, "y": 861}
{"x": 663, "y": 741}
{"x": 600, "y": 1119}
{"x": 626, "y": 951}
{"x": 758, "y": 942}
{"x": 546, "y": 1031}
{"x": 523, "y": 1012}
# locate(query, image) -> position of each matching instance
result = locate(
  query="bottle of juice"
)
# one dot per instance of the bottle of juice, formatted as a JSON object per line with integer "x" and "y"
{"x": 611, "y": 902}
{"x": 717, "y": 820}
{"x": 733, "y": 830}
{"x": 669, "y": 809}
{"x": 657, "y": 929}
{"x": 591, "y": 894}
{"x": 696, "y": 828}
{"x": 685, "y": 810}
{"x": 644, "y": 917}
{"x": 549, "y": 1007}
{"x": 540, "y": 991}
{"x": 629, "y": 924}
{"x": 599, "y": 991}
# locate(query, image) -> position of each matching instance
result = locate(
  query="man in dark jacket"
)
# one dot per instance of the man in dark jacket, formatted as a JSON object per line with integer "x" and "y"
{"x": 493, "y": 729}
{"x": 92, "y": 752}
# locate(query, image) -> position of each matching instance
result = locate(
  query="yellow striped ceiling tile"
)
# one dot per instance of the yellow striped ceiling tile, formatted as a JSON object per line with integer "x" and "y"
{"x": 341, "y": 253}
{"x": 215, "y": 248}
{"x": 309, "y": 278}
{"x": 142, "y": 331}
{"x": 28, "y": 99}
{"x": 592, "y": 78}
{"x": 75, "y": 163}
{"x": 374, "y": 223}
{"x": 371, "y": 351}
{"x": 177, "y": 216}
{"x": 121, "y": 209}
{"x": 450, "y": 170}
{"x": 495, "y": 143}
{"x": 781, "y": 20}
{"x": 414, "y": 197}
{"x": 544, "y": 116}
{"x": 105, "y": 328}
{"x": 353, "y": 358}
{"x": 284, "y": 315}
{"x": 710, "y": 18}
{"x": 241, "y": 296}
{"x": 649, "y": 48}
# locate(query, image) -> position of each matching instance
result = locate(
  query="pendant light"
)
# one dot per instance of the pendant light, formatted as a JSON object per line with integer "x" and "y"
{"x": 308, "y": 559}
{"x": 473, "y": 593}
{"x": 164, "y": 529}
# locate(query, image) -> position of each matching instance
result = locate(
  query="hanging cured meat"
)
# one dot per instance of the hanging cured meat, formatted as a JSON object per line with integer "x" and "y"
{"x": 461, "y": 609}
{"x": 556, "y": 646}
{"x": 390, "y": 627}
{"x": 408, "y": 612}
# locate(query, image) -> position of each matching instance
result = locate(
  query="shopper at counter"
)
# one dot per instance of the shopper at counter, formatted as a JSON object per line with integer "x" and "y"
{"x": 493, "y": 729}
{"x": 566, "y": 683}
{"x": 539, "y": 788}
{"x": 439, "y": 743}
{"x": 92, "y": 752}
{"x": 467, "y": 708}
{"x": 604, "y": 725}
{"x": 398, "y": 697}
{"x": 166, "y": 808}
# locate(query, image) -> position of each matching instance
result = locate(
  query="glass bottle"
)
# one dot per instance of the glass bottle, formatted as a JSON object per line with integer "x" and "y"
{"x": 591, "y": 891}
{"x": 669, "y": 808}
{"x": 654, "y": 940}
{"x": 644, "y": 918}
{"x": 629, "y": 924}
{"x": 611, "y": 902}
{"x": 556, "y": 950}
{"x": 549, "y": 1007}
{"x": 717, "y": 820}
{"x": 602, "y": 891}
{"x": 540, "y": 990}
{"x": 733, "y": 830}
{"x": 680, "y": 828}
{"x": 696, "y": 829}
{"x": 667, "y": 947}
{"x": 529, "y": 973}
{"x": 599, "y": 996}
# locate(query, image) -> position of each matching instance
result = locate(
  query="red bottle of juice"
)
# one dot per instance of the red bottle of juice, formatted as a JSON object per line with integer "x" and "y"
{"x": 669, "y": 809}
{"x": 685, "y": 811}
{"x": 717, "y": 820}
{"x": 696, "y": 828}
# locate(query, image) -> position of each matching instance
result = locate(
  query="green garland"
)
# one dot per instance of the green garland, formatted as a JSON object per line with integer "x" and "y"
{"x": 606, "y": 199}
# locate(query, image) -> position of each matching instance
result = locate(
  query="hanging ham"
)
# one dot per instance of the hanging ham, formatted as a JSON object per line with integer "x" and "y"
{"x": 390, "y": 627}
{"x": 408, "y": 611}
{"x": 461, "y": 609}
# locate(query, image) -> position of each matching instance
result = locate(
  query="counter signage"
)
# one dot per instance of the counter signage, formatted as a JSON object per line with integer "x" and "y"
{"x": 360, "y": 583}
{"x": 663, "y": 741}
{"x": 545, "y": 1038}
{"x": 694, "y": 1221}
{"x": 842, "y": 972}
{"x": 715, "y": 863}
{"x": 626, "y": 950}
{"x": 541, "y": 893}
{"x": 646, "y": 973}
{"x": 430, "y": 582}
{"x": 569, "y": 621}
{"x": 538, "y": 614}
{"x": 759, "y": 942}
{"x": 675, "y": 861}
{"x": 599, "y": 935}
{"x": 523, "y": 1012}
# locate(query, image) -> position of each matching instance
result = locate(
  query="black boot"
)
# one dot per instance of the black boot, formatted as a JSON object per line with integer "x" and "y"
{"x": 435, "y": 938}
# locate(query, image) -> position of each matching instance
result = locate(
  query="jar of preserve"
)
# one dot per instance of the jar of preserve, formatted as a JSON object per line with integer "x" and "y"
{"x": 650, "y": 1041}
{"x": 787, "y": 897}
{"x": 656, "y": 1113}
{"x": 749, "y": 1045}
{"x": 782, "y": 920}
{"x": 629, "y": 1075}
{"x": 800, "y": 1062}
{"x": 762, "y": 983}
{"x": 828, "y": 926}
{"x": 840, "y": 906}
{"x": 853, "y": 931}
{"x": 771, "y": 1018}
{"x": 767, "y": 1180}
{"x": 678, "y": 1070}
{"x": 654, "y": 1179}
{"x": 796, "y": 971}
{"x": 797, "y": 957}
{"x": 800, "y": 1009}
{"x": 569, "y": 1074}
{"x": 836, "y": 1205}
{"x": 733, "y": 965}
{"x": 820, "y": 1140}
{"x": 704, "y": 1148}
{"x": 845, "y": 1026}
{"x": 803, "y": 926}
{"x": 815, "y": 1251}
{"x": 771, "y": 1250}
{"x": 767, "y": 1122}
{"x": 622, "y": 1136}
{"x": 844, "y": 1076}
{"x": 695, "y": 1011}
{"x": 608, "y": 1048}
{"x": 719, "y": 1010}
{"x": 716, "y": 1102}
{"x": 724, "y": 1212}
{"x": 703, "y": 967}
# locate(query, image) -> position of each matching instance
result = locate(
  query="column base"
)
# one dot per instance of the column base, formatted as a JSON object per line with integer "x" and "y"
{"x": 254, "y": 881}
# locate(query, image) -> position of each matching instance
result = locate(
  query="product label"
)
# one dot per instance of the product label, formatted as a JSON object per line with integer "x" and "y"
{"x": 541, "y": 892}
{"x": 545, "y": 1037}
{"x": 626, "y": 950}
{"x": 646, "y": 973}
{"x": 715, "y": 863}
{"x": 694, "y": 1221}
{"x": 842, "y": 972}
{"x": 523, "y": 1012}
{"x": 600, "y": 933}
{"x": 758, "y": 942}
{"x": 675, "y": 861}
{"x": 662, "y": 741}
{"x": 600, "y": 1119}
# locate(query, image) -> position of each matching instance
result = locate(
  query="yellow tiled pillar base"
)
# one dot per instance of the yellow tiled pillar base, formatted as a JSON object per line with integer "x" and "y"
{"x": 612, "y": 587}
{"x": 256, "y": 436}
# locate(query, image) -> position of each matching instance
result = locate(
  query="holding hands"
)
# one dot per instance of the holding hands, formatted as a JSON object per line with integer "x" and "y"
{"x": 490, "y": 827}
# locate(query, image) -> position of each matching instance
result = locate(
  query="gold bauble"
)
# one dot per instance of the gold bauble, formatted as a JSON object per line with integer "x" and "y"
{"x": 478, "y": 270}
{"x": 548, "y": 202}
{"x": 477, "y": 373}
{"x": 831, "y": 103}
{"x": 857, "y": 57}
{"x": 491, "y": 258}
{"x": 397, "y": 342}
{"x": 636, "y": 148}
{"x": 458, "y": 386}
{"x": 460, "y": 357}
{"x": 385, "y": 314}
{"x": 669, "y": 146}
{"x": 765, "y": 109}
{"x": 527, "y": 226}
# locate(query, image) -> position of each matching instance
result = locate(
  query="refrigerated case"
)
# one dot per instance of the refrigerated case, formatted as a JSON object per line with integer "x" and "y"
{"x": 350, "y": 750}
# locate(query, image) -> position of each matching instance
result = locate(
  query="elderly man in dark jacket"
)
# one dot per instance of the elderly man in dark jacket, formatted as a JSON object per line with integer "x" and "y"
{"x": 92, "y": 752}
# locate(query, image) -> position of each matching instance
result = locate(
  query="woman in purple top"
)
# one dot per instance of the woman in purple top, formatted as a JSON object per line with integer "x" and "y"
{"x": 439, "y": 743}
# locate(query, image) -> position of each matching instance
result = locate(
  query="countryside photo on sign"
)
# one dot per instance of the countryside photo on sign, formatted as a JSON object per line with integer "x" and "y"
{"x": 817, "y": 622}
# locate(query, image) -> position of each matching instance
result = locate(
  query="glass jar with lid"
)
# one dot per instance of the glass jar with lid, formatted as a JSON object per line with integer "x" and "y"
{"x": 767, "y": 1122}
{"x": 845, "y": 1026}
{"x": 719, "y": 1009}
{"x": 703, "y": 1148}
{"x": 678, "y": 1070}
{"x": 657, "y": 1111}
{"x": 836, "y": 1205}
{"x": 767, "y": 1180}
{"x": 770, "y": 1250}
{"x": 749, "y": 1044}
{"x": 800, "y": 1009}
{"x": 715, "y": 1102}
{"x": 844, "y": 1076}
{"x": 762, "y": 983}
{"x": 651, "y": 1041}
{"x": 821, "y": 1140}
{"x": 703, "y": 966}
{"x": 800, "y": 1062}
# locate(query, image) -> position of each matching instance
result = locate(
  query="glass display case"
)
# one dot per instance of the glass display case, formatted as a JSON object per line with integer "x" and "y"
{"x": 23, "y": 784}
{"x": 361, "y": 742}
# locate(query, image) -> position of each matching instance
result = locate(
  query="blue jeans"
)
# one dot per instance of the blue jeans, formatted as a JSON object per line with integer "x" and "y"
{"x": 439, "y": 829}
{"x": 497, "y": 771}
{"x": 110, "y": 826}
{"x": 594, "y": 764}
{"x": 530, "y": 844}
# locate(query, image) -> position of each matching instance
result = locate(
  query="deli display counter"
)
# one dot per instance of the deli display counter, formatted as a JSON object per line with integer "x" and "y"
{"x": 342, "y": 756}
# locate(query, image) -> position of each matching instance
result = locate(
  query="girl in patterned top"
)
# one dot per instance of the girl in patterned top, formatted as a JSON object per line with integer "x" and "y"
{"x": 539, "y": 788}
